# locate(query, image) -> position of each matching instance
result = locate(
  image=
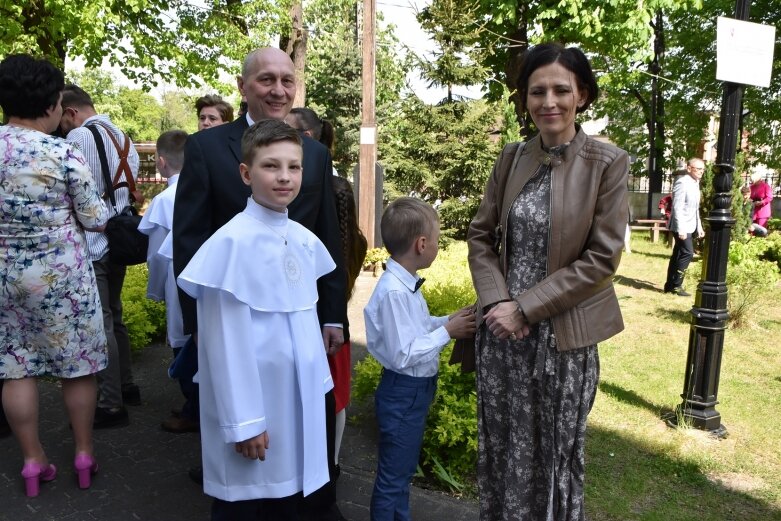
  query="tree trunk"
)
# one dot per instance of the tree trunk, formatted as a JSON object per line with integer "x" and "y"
{"x": 513, "y": 67}
{"x": 295, "y": 47}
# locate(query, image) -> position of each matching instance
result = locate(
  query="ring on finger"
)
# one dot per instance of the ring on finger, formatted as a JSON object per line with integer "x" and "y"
{"x": 512, "y": 335}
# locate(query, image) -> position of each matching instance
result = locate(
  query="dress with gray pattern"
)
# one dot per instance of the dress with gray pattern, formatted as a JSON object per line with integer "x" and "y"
{"x": 532, "y": 400}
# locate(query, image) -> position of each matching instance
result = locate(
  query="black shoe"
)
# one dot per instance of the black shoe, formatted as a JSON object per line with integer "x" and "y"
{"x": 678, "y": 291}
{"x": 196, "y": 474}
{"x": 107, "y": 418}
{"x": 131, "y": 395}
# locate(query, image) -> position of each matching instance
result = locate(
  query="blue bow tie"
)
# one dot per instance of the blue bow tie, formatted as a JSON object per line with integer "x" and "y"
{"x": 418, "y": 284}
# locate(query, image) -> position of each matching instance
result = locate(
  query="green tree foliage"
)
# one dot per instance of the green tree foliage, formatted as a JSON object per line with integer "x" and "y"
{"x": 333, "y": 74}
{"x": 186, "y": 42}
{"x": 136, "y": 112}
{"x": 442, "y": 154}
{"x": 457, "y": 59}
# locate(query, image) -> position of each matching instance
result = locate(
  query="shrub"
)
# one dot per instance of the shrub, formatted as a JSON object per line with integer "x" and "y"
{"x": 451, "y": 433}
{"x": 144, "y": 318}
{"x": 749, "y": 275}
{"x": 375, "y": 255}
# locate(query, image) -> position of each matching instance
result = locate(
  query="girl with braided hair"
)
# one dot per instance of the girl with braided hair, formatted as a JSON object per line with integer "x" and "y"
{"x": 354, "y": 247}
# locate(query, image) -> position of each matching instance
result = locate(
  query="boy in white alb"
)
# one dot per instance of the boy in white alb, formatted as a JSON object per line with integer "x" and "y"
{"x": 157, "y": 223}
{"x": 263, "y": 371}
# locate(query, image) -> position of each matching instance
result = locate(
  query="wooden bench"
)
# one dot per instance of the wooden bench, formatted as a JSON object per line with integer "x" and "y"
{"x": 654, "y": 226}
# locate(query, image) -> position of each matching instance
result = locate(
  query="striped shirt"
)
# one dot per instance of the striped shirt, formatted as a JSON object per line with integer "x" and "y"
{"x": 97, "y": 243}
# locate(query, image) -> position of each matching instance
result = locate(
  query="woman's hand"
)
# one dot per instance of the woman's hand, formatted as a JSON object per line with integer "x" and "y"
{"x": 254, "y": 448}
{"x": 505, "y": 320}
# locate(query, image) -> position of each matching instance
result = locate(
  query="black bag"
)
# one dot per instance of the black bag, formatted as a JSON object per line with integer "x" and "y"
{"x": 126, "y": 245}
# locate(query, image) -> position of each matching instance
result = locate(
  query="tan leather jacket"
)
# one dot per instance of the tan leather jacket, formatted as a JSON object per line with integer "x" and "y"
{"x": 587, "y": 226}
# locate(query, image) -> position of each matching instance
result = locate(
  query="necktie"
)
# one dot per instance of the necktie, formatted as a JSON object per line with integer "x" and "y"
{"x": 418, "y": 284}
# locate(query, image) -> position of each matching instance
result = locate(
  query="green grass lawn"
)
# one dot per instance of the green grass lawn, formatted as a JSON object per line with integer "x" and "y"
{"x": 637, "y": 467}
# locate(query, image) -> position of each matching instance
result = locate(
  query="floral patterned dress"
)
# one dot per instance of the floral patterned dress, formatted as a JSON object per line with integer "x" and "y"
{"x": 50, "y": 315}
{"x": 532, "y": 399}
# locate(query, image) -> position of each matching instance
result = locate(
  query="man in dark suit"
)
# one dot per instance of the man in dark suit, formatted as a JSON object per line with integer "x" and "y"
{"x": 210, "y": 193}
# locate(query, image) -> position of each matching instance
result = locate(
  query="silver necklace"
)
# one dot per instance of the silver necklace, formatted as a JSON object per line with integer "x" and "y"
{"x": 275, "y": 232}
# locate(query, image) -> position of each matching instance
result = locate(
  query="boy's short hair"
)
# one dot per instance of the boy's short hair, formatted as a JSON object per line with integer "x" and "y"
{"x": 170, "y": 145}
{"x": 403, "y": 221}
{"x": 264, "y": 133}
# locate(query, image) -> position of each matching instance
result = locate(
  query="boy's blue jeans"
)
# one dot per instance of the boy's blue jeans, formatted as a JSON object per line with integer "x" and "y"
{"x": 401, "y": 404}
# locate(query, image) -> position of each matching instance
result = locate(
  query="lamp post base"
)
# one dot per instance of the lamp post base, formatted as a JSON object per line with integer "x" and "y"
{"x": 689, "y": 418}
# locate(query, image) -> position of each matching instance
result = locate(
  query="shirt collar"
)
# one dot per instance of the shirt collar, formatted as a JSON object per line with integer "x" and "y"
{"x": 173, "y": 179}
{"x": 404, "y": 276}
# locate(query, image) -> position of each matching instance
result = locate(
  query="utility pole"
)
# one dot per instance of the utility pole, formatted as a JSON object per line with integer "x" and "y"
{"x": 368, "y": 153}
{"x": 709, "y": 314}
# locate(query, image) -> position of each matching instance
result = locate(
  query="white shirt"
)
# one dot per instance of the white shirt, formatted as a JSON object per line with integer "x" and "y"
{"x": 97, "y": 243}
{"x": 400, "y": 332}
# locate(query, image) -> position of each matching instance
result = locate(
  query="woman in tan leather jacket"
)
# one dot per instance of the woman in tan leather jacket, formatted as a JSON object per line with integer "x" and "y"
{"x": 543, "y": 249}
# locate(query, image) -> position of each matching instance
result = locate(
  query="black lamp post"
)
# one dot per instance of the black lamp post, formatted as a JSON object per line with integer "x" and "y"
{"x": 709, "y": 314}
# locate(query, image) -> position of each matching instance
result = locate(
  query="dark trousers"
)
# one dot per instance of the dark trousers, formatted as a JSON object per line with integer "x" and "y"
{"x": 401, "y": 404}
{"x": 190, "y": 390}
{"x": 320, "y": 505}
{"x": 683, "y": 251}
{"x": 281, "y": 509}
{"x": 110, "y": 277}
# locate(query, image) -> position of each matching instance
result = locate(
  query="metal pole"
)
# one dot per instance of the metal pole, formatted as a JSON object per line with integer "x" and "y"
{"x": 652, "y": 138}
{"x": 709, "y": 314}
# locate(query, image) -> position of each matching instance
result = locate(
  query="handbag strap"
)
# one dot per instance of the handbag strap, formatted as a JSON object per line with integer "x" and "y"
{"x": 100, "y": 145}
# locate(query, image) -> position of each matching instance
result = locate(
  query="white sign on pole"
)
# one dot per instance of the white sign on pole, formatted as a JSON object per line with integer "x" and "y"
{"x": 368, "y": 135}
{"x": 744, "y": 52}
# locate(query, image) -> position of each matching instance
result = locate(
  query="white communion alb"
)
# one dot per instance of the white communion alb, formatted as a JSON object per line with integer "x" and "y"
{"x": 262, "y": 364}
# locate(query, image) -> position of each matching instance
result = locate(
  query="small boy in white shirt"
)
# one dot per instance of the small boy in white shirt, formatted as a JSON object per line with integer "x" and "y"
{"x": 262, "y": 368}
{"x": 406, "y": 340}
{"x": 157, "y": 223}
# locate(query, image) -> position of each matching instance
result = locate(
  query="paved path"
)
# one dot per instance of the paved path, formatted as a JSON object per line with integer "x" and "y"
{"x": 143, "y": 469}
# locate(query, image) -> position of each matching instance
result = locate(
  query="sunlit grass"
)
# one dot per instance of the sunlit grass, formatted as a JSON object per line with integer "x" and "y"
{"x": 637, "y": 467}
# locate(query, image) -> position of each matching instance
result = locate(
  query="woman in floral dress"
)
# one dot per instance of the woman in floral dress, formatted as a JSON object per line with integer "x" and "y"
{"x": 50, "y": 317}
{"x": 543, "y": 248}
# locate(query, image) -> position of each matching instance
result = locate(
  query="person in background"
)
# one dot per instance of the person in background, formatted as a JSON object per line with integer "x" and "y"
{"x": 116, "y": 385}
{"x": 543, "y": 250}
{"x": 263, "y": 423}
{"x": 407, "y": 341}
{"x": 354, "y": 246}
{"x": 50, "y": 318}
{"x": 212, "y": 111}
{"x": 307, "y": 121}
{"x": 685, "y": 222}
{"x": 748, "y": 206}
{"x": 157, "y": 223}
{"x": 762, "y": 197}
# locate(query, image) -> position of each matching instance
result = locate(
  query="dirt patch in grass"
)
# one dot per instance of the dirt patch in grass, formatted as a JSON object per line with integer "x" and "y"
{"x": 737, "y": 481}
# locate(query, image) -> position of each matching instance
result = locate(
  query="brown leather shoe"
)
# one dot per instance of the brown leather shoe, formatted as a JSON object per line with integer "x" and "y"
{"x": 180, "y": 424}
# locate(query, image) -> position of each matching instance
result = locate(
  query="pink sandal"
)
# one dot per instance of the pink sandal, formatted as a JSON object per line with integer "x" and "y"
{"x": 33, "y": 473}
{"x": 86, "y": 467}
